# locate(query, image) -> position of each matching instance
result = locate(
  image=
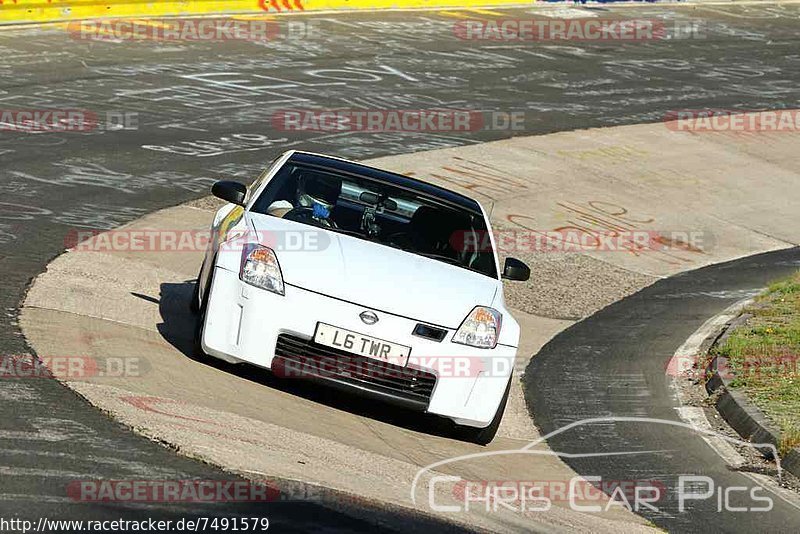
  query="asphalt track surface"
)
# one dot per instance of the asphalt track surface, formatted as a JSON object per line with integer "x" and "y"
{"x": 204, "y": 113}
{"x": 615, "y": 364}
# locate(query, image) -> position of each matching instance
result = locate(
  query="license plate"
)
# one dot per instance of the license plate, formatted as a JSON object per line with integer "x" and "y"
{"x": 353, "y": 342}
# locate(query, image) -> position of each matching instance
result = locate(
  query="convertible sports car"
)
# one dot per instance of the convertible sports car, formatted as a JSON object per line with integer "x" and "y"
{"x": 376, "y": 282}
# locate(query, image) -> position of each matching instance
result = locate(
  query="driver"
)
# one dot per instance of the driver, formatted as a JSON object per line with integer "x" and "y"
{"x": 317, "y": 195}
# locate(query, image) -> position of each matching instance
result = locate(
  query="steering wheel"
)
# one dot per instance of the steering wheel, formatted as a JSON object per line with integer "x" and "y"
{"x": 305, "y": 214}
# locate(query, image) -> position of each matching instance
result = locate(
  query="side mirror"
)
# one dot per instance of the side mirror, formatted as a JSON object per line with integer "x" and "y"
{"x": 516, "y": 270}
{"x": 233, "y": 192}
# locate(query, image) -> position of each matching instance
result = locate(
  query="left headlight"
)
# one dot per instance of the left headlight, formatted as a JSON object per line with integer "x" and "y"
{"x": 480, "y": 329}
{"x": 260, "y": 268}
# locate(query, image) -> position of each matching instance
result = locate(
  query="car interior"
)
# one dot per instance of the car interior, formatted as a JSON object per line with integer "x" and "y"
{"x": 380, "y": 213}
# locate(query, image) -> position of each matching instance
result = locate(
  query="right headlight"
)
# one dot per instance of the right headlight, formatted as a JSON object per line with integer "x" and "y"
{"x": 260, "y": 268}
{"x": 480, "y": 329}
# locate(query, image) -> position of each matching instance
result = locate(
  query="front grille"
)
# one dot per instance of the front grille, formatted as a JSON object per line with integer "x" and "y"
{"x": 297, "y": 357}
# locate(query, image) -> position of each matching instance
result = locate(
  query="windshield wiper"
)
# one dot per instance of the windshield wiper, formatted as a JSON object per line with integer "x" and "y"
{"x": 353, "y": 233}
{"x": 450, "y": 260}
{"x": 442, "y": 257}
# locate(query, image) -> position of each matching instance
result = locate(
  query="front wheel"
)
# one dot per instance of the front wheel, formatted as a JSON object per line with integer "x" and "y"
{"x": 484, "y": 436}
{"x": 194, "y": 305}
{"x": 200, "y": 309}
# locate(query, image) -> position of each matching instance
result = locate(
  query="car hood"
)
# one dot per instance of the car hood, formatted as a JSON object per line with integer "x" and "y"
{"x": 375, "y": 276}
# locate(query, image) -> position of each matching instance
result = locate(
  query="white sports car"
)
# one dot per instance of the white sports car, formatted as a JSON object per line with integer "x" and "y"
{"x": 368, "y": 280}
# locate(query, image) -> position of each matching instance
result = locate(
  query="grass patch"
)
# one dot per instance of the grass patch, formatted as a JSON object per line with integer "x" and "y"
{"x": 790, "y": 438}
{"x": 764, "y": 357}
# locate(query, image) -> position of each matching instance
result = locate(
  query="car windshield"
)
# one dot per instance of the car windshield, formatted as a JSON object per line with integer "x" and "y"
{"x": 381, "y": 213}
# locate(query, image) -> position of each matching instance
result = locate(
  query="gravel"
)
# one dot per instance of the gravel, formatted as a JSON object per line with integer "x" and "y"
{"x": 571, "y": 286}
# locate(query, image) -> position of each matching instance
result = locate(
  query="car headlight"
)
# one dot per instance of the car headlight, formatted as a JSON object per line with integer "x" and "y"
{"x": 480, "y": 329}
{"x": 260, "y": 268}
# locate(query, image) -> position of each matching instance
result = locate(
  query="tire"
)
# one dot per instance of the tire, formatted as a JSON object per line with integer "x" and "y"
{"x": 200, "y": 321}
{"x": 194, "y": 305}
{"x": 484, "y": 436}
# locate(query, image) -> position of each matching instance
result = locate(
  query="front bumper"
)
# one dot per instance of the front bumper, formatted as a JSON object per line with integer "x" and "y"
{"x": 244, "y": 323}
